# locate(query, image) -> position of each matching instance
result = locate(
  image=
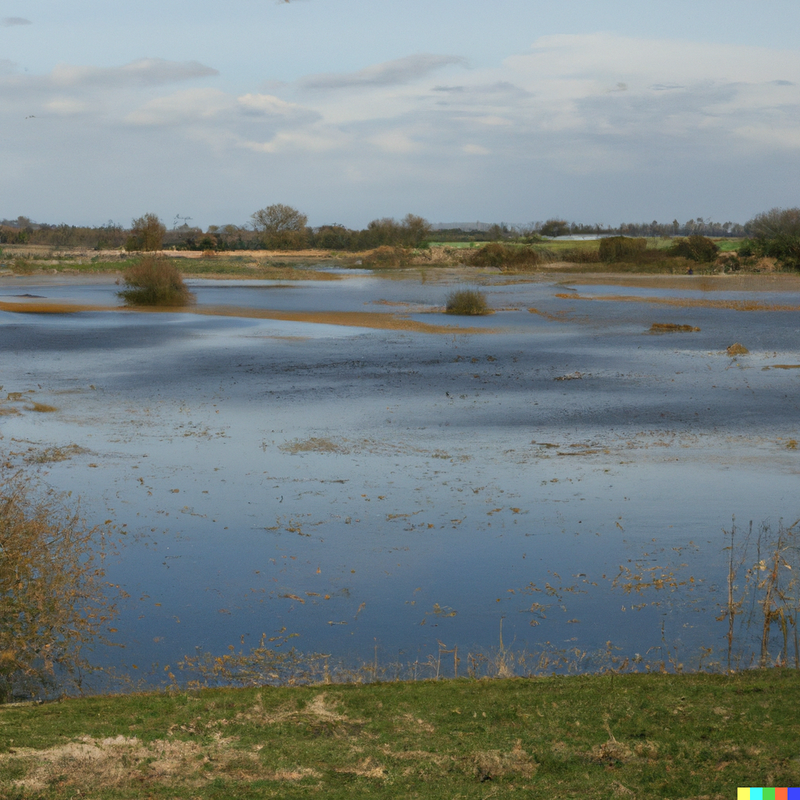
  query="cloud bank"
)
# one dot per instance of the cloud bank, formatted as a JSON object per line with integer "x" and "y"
{"x": 541, "y": 129}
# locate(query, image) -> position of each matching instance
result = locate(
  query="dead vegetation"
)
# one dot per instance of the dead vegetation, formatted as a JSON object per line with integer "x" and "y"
{"x": 669, "y": 327}
{"x": 686, "y": 302}
{"x": 737, "y": 349}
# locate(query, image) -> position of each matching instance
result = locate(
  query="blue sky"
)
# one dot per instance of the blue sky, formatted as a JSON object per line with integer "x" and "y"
{"x": 352, "y": 110}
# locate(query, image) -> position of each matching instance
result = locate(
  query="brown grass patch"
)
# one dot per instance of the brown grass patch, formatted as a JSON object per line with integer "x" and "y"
{"x": 54, "y": 454}
{"x": 352, "y": 319}
{"x": 49, "y": 307}
{"x": 783, "y": 366}
{"x": 43, "y": 408}
{"x": 705, "y": 283}
{"x": 669, "y": 327}
{"x": 313, "y": 445}
{"x": 737, "y": 349}
{"x": 687, "y": 302}
{"x": 127, "y": 761}
{"x": 491, "y": 764}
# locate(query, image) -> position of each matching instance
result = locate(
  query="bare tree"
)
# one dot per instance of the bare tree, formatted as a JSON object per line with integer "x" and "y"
{"x": 281, "y": 227}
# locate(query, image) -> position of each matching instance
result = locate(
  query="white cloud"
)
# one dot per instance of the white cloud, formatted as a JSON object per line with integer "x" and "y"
{"x": 389, "y": 73}
{"x": 188, "y": 106}
{"x": 475, "y": 150}
{"x": 67, "y": 106}
{"x": 142, "y": 72}
{"x": 395, "y": 142}
{"x": 299, "y": 142}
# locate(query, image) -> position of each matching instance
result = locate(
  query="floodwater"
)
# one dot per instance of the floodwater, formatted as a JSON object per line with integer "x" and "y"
{"x": 387, "y": 493}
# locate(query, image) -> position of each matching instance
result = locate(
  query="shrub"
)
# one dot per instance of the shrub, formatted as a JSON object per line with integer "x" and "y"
{"x": 154, "y": 282}
{"x": 555, "y": 227}
{"x": 622, "y": 248}
{"x": 386, "y": 256}
{"x": 504, "y": 256}
{"x": 467, "y": 302}
{"x": 777, "y": 235}
{"x": 52, "y": 595}
{"x": 147, "y": 233}
{"x": 696, "y": 248}
{"x": 580, "y": 255}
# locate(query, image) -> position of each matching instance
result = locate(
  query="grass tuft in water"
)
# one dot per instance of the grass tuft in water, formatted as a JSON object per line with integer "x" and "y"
{"x": 154, "y": 282}
{"x": 468, "y": 303}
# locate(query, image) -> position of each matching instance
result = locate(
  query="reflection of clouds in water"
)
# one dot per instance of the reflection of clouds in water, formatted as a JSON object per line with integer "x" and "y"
{"x": 460, "y": 470}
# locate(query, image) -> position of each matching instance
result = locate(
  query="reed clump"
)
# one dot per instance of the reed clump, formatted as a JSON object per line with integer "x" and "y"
{"x": 154, "y": 282}
{"x": 468, "y": 303}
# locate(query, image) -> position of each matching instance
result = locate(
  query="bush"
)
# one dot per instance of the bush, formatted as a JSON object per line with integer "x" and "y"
{"x": 154, "y": 282}
{"x": 467, "y": 302}
{"x": 554, "y": 228}
{"x": 147, "y": 233}
{"x": 386, "y": 256}
{"x": 52, "y": 595}
{"x": 504, "y": 256}
{"x": 622, "y": 248}
{"x": 777, "y": 235}
{"x": 696, "y": 248}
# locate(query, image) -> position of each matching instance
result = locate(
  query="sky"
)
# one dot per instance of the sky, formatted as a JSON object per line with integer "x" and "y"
{"x": 349, "y": 110}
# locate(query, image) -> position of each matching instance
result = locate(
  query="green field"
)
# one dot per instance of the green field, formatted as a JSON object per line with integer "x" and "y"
{"x": 611, "y": 735}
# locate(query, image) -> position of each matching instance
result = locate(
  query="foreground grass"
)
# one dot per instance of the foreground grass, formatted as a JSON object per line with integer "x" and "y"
{"x": 637, "y": 735}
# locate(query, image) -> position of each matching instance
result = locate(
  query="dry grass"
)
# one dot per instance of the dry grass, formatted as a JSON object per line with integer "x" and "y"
{"x": 705, "y": 283}
{"x": 51, "y": 455}
{"x": 43, "y": 408}
{"x": 670, "y": 327}
{"x": 737, "y": 349}
{"x": 314, "y": 445}
{"x": 686, "y": 302}
{"x": 357, "y": 319}
{"x": 467, "y": 303}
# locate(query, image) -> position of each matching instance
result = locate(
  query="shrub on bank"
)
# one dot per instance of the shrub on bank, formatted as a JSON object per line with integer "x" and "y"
{"x": 468, "y": 303}
{"x": 504, "y": 256}
{"x": 696, "y": 248}
{"x": 622, "y": 248}
{"x": 154, "y": 282}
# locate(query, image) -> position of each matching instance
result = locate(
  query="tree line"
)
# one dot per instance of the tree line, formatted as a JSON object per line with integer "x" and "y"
{"x": 774, "y": 233}
{"x": 275, "y": 227}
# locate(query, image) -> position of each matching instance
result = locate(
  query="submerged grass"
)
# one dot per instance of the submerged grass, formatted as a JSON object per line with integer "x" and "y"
{"x": 601, "y": 736}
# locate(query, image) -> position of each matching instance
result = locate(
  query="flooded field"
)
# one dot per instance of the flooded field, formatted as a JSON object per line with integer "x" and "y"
{"x": 342, "y": 463}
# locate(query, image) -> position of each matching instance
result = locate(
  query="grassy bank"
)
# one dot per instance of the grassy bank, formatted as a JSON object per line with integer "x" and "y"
{"x": 633, "y": 735}
{"x": 566, "y": 256}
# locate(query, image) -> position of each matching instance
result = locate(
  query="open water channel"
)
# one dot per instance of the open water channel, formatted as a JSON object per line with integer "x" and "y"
{"x": 389, "y": 493}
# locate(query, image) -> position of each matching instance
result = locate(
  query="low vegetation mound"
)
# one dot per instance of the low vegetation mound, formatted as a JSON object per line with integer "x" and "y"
{"x": 622, "y": 248}
{"x": 504, "y": 256}
{"x": 671, "y": 327}
{"x": 696, "y": 248}
{"x": 468, "y": 303}
{"x": 154, "y": 282}
{"x": 385, "y": 257}
{"x": 737, "y": 349}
